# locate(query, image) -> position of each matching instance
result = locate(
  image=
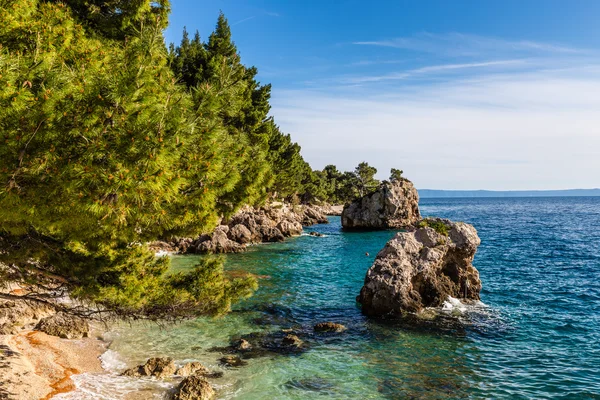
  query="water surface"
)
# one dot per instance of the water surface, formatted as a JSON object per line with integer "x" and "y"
{"x": 537, "y": 337}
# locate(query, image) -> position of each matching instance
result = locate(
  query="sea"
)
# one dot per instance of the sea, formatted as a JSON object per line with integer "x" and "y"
{"x": 534, "y": 335}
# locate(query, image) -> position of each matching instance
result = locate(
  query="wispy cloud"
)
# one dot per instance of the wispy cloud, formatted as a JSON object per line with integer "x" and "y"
{"x": 458, "y": 44}
{"x": 243, "y": 20}
{"x": 432, "y": 69}
{"x": 499, "y": 131}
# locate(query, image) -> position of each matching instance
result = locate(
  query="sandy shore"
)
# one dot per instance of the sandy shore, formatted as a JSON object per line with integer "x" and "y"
{"x": 34, "y": 365}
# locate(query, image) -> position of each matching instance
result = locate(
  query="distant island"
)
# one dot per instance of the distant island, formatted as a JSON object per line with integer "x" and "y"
{"x": 432, "y": 193}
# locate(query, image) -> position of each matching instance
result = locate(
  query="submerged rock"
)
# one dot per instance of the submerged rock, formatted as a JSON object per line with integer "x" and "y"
{"x": 64, "y": 326}
{"x": 422, "y": 268}
{"x": 194, "y": 387}
{"x": 329, "y": 327}
{"x": 232, "y": 361}
{"x": 292, "y": 342}
{"x": 158, "y": 367}
{"x": 242, "y": 345}
{"x": 393, "y": 205}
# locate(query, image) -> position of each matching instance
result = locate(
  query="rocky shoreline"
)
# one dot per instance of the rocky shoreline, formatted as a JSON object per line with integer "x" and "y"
{"x": 267, "y": 224}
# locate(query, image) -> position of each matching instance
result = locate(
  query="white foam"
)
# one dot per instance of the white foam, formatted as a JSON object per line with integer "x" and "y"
{"x": 454, "y": 306}
{"x": 163, "y": 253}
{"x": 113, "y": 387}
{"x": 112, "y": 361}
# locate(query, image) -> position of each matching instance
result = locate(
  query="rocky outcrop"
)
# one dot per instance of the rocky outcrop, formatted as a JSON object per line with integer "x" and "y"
{"x": 157, "y": 367}
{"x": 250, "y": 225}
{"x": 394, "y": 205}
{"x": 422, "y": 268}
{"x": 18, "y": 315}
{"x": 194, "y": 387}
{"x": 64, "y": 326}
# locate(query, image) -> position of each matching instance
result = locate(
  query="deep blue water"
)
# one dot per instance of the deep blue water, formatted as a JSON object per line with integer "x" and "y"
{"x": 537, "y": 337}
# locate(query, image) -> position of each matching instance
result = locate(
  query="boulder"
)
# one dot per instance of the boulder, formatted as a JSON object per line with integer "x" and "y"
{"x": 157, "y": 367}
{"x": 64, "y": 326}
{"x": 289, "y": 228}
{"x": 194, "y": 387}
{"x": 313, "y": 215}
{"x": 270, "y": 234}
{"x": 329, "y": 327}
{"x": 240, "y": 233}
{"x": 423, "y": 268}
{"x": 192, "y": 368}
{"x": 218, "y": 242}
{"x": 394, "y": 205}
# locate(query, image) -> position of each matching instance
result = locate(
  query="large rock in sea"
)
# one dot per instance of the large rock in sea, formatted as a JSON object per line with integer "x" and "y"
{"x": 422, "y": 268}
{"x": 393, "y": 205}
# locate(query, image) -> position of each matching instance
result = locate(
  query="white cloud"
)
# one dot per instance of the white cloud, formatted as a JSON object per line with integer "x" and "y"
{"x": 538, "y": 130}
{"x": 458, "y": 44}
{"x": 434, "y": 69}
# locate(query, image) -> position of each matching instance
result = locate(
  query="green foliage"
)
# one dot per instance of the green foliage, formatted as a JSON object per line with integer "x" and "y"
{"x": 437, "y": 225}
{"x": 264, "y": 160}
{"x": 365, "y": 176}
{"x": 101, "y": 148}
{"x": 335, "y": 187}
{"x": 396, "y": 174}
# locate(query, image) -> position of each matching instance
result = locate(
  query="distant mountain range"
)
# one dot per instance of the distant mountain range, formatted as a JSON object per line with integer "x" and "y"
{"x": 432, "y": 193}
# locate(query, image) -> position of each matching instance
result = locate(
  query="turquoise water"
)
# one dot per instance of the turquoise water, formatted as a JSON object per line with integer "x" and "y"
{"x": 536, "y": 336}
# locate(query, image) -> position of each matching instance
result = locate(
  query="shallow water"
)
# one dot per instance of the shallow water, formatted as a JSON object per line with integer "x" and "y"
{"x": 536, "y": 336}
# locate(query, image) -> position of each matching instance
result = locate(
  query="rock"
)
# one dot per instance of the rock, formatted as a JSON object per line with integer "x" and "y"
{"x": 194, "y": 387}
{"x": 64, "y": 326}
{"x": 317, "y": 234}
{"x": 271, "y": 223}
{"x": 329, "y": 327}
{"x": 313, "y": 215}
{"x": 292, "y": 341}
{"x": 191, "y": 368}
{"x": 270, "y": 234}
{"x": 290, "y": 228}
{"x": 232, "y": 361}
{"x": 393, "y": 205}
{"x": 218, "y": 242}
{"x": 422, "y": 268}
{"x": 240, "y": 233}
{"x": 14, "y": 315}
{"x": 161, "y": 247}
{"x": 157, "y": 367}
{"x": 242, "y": 345}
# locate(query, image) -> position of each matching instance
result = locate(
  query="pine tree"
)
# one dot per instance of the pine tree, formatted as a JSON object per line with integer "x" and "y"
{"x": 99, "y": 153}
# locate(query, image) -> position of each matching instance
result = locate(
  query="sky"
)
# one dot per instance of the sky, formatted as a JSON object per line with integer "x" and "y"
{"x": 498, "y": 95}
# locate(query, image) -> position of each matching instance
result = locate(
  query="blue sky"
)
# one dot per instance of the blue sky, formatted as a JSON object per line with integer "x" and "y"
{"x": 458, "y": 94}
